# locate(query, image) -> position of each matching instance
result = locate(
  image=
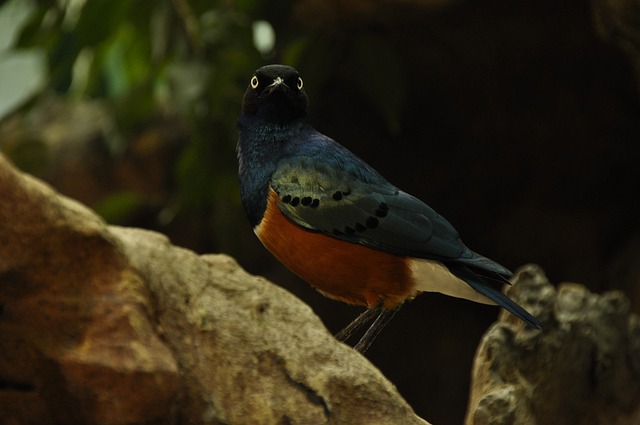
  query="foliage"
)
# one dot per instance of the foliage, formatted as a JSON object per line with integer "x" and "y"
{"x": 183, "y": 62}
{"x": 148, "y": 60}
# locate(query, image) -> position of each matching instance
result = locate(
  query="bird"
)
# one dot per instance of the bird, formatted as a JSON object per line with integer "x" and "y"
{"x": 338, "y": 224}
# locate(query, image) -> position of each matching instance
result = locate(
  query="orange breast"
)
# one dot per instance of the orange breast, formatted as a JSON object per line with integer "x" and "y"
{"x": 345, "y": 271}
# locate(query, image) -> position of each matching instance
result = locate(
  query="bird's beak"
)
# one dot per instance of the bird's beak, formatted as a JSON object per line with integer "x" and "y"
{"x": 277, "y": 82}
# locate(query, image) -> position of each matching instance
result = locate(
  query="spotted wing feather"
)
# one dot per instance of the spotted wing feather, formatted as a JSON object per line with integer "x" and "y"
{"x": 340, "y": 203}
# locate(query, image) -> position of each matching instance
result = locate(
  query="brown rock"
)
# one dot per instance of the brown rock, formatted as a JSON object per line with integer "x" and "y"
{"x": 582, "y": 368}
{"x": 108, "y": 325}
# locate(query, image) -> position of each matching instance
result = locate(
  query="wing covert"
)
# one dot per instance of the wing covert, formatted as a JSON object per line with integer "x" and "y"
{"x": 339, "y": 202}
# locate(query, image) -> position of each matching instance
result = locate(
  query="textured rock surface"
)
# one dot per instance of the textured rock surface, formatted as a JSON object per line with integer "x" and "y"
{"x": 108, "y": 325}
{"x": 583, "y": 368}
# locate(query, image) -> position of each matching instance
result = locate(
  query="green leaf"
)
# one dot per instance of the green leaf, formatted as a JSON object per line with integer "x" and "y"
{"x": 13, "y": 15}
{"x": 22, "y": 75}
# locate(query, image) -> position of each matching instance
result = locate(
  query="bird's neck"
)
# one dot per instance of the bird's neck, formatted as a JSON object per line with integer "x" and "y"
{"x": 260, "y": 146}
{"x": 262, "y": 127}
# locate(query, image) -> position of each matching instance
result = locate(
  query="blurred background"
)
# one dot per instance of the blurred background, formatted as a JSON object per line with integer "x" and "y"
{"x": 518, "y": 121}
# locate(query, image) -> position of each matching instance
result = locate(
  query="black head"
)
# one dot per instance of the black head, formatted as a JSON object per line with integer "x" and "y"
{"x": 275, "y": 93}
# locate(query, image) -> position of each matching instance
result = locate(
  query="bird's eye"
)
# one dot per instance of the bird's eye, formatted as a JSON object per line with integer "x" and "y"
{"x": 254, "y": 82}
{"x": 299, "y": 83}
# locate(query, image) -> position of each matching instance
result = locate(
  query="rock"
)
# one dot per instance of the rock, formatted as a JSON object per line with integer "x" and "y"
{"x": 582, "y": 368}
{"x": 108, "y": 325}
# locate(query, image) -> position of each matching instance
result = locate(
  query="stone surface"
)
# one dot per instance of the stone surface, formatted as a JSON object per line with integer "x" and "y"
{"x": 582, "y": 368}
{"x": 110, "y": 325}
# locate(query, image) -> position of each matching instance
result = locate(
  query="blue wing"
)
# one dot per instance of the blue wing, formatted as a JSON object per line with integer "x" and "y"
{"x": 325, "y": 188}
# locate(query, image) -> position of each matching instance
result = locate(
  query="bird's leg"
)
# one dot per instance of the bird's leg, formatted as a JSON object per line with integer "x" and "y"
{"x": 364, "y": 318}
{"x": 373, "y": 331}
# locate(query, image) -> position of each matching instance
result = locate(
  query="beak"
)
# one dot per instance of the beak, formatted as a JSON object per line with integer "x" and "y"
{"x": 277, "y": 82}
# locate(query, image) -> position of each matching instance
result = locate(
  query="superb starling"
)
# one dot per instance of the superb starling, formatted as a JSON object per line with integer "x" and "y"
{"x": 338, "y": 224}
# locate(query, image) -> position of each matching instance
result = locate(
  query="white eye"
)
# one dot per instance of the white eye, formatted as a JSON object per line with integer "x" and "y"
{"x": 254, "y": 82}
{"x": 299, "y": 84}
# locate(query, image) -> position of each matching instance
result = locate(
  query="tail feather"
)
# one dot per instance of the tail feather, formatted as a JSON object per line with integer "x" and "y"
{"x": 484, "y": 265}
{"x": 483, "y": 285}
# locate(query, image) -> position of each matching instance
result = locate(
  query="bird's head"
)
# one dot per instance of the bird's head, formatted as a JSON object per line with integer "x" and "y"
{"x": 276, "y": 94}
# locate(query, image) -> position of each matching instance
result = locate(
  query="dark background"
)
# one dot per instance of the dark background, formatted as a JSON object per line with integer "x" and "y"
{"x": 518, "y": 121}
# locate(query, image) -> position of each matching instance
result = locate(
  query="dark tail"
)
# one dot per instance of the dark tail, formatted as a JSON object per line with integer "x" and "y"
{"x": 490, "y": 287}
